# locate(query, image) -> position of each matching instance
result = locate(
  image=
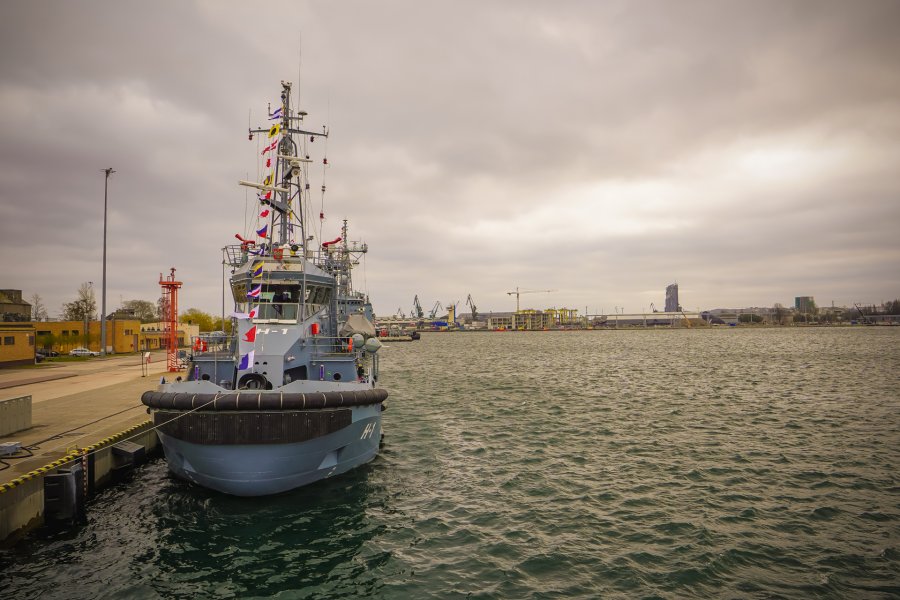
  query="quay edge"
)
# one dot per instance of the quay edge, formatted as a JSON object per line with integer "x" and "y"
{"x": 23, "y": 502}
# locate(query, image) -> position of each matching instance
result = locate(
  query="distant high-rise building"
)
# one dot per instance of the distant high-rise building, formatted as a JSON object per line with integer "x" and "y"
{"x": 805, "y": 305}
{"x": 672, "y": 298}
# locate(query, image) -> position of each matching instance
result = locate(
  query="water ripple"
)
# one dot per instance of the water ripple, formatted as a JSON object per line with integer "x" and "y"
{"x": 650, "y": 464}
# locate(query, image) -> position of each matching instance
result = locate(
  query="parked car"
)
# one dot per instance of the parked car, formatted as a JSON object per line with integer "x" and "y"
{"x": 83, "y": 352}
{"x": 38, "y": 357}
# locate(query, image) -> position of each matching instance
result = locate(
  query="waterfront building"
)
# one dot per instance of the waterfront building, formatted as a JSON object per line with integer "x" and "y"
{"x": 16, "y": 344}
{"x": 122, "y": 335}
{"x": 12, "y": 307}
{"x": 153, "y": 335}
{"x": 63, "y": 336}
{"x": 563, "y": 317}
{"x": 672, "y": 298}
{"x": 532, "y": 319}
{"x": 805, "y": 305}
{"x": 500, "y": 321}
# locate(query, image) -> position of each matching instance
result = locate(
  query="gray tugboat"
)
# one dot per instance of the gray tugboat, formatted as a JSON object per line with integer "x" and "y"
{"x": 292, "y": 397}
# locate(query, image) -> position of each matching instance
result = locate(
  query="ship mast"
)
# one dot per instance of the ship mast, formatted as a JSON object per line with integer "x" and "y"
{"x": 345, "y": 280}
{"x": 287, "y": 198}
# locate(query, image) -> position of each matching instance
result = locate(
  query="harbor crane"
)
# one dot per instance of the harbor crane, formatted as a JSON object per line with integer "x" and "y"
{"x": 865, "y": 320}
{"x": 437, "y": 307}
{"x": 518, "y": 291}
{"x": 471, "y": 304}
{"x": 401, "y": 313}
{"x": 417, "y": 308}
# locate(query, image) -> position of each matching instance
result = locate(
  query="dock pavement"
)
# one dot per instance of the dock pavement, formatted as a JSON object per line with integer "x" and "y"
{"x": 77, "y": 404}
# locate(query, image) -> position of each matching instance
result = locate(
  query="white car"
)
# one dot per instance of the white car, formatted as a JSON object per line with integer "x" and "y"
{"x": 83, "y": 352}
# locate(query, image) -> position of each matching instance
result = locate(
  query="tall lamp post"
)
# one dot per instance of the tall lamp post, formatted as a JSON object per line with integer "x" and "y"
{"x": 108, "y": 172}
{"x": 87, "y": 318}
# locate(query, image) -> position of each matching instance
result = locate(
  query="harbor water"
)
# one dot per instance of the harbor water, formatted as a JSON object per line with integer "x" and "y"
{"x": 735, "y": 462}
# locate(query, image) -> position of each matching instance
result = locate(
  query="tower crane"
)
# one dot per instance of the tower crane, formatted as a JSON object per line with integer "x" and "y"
{"x": 401, "y": 313}
{"x": 471, "y": 304}
{"x": 437, "y": 306}
{"x": 518, "y": 291}
{"x": 417, "y": 308}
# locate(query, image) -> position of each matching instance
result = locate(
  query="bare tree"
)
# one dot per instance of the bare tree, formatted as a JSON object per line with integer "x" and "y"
{"x": 84, "y": 307}
{"x": 780, "y": 313}
{"x": 162, "y": 308}
{"x": 38, "y": 311}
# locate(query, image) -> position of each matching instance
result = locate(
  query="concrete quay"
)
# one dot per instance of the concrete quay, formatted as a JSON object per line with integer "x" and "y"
{"x": 80, "y": 412}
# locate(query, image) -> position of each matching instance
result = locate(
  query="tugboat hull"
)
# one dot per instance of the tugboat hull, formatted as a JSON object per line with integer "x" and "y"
{"x": 260, "y": 469}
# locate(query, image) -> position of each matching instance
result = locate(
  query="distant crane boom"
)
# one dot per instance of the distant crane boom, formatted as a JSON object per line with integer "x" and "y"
{"x": 417, "y": 308}
{"x": 471, "y": 304}
{"x": 518, "y": 291}
{"x": 862, "y": 315}
{"x": 437, "y": 307}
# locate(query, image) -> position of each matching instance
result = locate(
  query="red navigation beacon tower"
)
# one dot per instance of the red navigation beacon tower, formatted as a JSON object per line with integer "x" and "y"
{"x": 170, "y": 318}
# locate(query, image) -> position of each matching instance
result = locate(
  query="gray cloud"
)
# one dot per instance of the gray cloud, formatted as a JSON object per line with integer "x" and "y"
{"x": 602, "y": 150}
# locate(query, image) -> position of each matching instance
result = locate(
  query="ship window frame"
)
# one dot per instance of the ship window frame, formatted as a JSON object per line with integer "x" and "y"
{"x": 239, "y": 291}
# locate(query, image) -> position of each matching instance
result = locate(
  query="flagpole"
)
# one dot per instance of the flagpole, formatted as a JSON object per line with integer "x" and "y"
{"x": 108, "y": 172}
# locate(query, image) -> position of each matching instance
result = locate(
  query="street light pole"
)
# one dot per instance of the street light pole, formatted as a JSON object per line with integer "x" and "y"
{"x": 108, "y": 172}
{"x": 87, "y": 318}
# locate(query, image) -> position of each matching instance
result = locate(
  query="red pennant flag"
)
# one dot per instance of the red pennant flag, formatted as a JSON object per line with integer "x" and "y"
{"x": 268, "y": 162}
{"x": 264, "y": 214}
{"x": 250, "y": 336}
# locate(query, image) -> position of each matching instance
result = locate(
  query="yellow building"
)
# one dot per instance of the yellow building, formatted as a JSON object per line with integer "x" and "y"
{"x": 18, "y": 340}
{"x": 529, "y": 319}
{"x": 16, "y": 344}
{"x": 122, "y": 335}
{"x": 152, "y": 335}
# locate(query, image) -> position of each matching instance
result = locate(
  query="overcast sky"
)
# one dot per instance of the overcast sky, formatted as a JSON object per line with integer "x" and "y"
{"x": 749, "y": 151}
